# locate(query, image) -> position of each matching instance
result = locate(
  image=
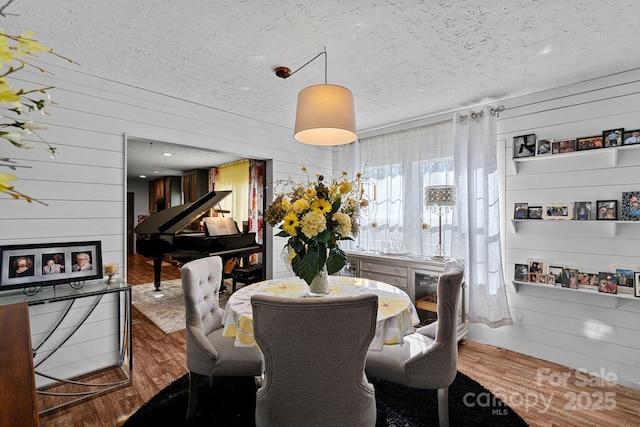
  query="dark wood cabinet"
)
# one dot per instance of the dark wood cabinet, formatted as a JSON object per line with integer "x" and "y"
{"x": 165, "y": 193}
{"x": 195, "y": 184}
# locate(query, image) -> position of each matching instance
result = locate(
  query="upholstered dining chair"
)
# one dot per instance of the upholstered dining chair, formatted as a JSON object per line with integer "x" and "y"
{"x": 428, "y": 359}
{"x": 314, "y": 351}
{"x": 208, "y": 352}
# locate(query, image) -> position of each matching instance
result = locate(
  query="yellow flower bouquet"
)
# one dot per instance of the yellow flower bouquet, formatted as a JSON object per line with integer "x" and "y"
{"x": 315, "y": 215}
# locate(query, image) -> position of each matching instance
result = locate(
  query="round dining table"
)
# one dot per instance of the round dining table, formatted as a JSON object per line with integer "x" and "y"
{"x": 396, "y": 313}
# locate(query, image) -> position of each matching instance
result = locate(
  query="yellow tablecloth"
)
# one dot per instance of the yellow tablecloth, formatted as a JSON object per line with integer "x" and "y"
{"x": 396, "y": 312}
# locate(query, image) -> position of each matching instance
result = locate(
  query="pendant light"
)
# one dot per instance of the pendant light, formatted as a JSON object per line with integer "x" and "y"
{"x": 325, "y": 114}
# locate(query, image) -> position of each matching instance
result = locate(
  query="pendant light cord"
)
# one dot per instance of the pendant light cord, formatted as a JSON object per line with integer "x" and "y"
{"x": 324, "y": 52}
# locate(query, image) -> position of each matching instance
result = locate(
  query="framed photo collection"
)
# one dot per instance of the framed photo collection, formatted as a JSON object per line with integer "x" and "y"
{"x": 528, "y": 146}
{"x": 34, "y": 265}
{"x": 621, "y": 279}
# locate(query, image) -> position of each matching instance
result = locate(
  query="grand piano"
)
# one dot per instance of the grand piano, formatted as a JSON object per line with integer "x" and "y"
{"x": 163, "y": 234}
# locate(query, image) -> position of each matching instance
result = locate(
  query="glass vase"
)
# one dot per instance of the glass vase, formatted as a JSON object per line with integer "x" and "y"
{"x": 320, "y": 284}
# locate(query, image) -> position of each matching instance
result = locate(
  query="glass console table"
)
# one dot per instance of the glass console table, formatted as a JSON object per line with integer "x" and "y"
{"x": 81, "y": 339}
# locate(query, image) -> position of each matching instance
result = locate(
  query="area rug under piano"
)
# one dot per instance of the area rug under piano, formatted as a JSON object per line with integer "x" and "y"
{"x": 165, "y": 308}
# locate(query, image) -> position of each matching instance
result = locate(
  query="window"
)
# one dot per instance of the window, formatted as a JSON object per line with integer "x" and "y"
{"x": 398, "y": 166}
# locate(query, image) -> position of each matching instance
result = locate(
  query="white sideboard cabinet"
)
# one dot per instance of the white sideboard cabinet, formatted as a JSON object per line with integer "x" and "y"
{"x": 417, "y": 277}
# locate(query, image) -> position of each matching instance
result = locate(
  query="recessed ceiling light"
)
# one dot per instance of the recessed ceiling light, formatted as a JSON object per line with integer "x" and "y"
{"x": 143, "y": 176}
{"x": 156, "y": 172}
{"x": 167, "y": 154}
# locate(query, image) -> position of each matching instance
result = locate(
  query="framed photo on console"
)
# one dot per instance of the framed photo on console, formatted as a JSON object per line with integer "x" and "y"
{"x": 636, "y": 284}
{"x": 33, "y": 265}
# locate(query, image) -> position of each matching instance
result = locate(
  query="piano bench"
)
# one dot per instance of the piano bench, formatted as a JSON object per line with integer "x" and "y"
{"x": 247, "y": 275}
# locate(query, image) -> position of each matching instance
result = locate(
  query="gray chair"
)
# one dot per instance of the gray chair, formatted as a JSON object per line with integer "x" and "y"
{"x": 314, "y": 351}
{"x": 428, "y": 359}
{"x": 208, "y": 352}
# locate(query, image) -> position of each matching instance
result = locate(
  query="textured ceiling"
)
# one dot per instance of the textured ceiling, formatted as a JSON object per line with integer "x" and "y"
{"x": 402, "y": 59}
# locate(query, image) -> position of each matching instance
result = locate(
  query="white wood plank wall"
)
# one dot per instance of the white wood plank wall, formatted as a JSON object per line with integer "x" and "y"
{"x": 592, "y": 331}
{"x": 85, "y": 186}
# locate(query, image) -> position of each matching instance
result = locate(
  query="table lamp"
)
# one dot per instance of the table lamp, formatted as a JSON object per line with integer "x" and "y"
{"x": 441, "y": 199}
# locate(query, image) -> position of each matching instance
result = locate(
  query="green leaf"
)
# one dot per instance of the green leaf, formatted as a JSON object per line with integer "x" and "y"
{"x": 323, "y": 237}
{"x": 335, "y": 207}
{"x": 337, "y": 259}
{"x": 308, "y": 265}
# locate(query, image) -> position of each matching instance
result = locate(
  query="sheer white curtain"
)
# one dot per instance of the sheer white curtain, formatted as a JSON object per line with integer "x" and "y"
{"x": 476, "y": 237}
{"x": 398, "y": 165}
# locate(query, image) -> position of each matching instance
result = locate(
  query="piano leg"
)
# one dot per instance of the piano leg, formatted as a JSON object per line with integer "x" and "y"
{"x": 157, "y": 272}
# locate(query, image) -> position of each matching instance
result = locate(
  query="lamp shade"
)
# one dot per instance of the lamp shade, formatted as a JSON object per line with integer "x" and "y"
{"x": 325, "y": 115}
{"x": 440, "y": 195}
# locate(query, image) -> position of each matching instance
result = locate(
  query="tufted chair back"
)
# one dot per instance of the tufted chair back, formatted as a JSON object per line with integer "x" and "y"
{"x": 208, "y": 352}
{"x": 201, "y": 281}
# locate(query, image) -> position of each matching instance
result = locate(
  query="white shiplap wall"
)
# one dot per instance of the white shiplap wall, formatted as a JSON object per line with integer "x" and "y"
{"x": 85, "y": 186}
{"x": 596, "y": 332}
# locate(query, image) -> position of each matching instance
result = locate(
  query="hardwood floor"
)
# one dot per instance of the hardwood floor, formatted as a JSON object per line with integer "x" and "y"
{"x": 532, "y": 387}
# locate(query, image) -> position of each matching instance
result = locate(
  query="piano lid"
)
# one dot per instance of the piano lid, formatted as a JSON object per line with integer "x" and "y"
{"x": 174, "y": 219}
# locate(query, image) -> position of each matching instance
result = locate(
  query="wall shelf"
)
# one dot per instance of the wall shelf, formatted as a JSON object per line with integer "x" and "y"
{"x": 610, "y": 155}
{"x": 603, "y": 224}
{"x": 518, "y": 284}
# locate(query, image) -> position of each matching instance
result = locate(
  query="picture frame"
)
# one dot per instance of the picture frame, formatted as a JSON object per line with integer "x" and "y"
{"x": 607, "y": 210}
{"x": 520, "y": 210}
{"x": 534, "y": 212}
{"x": 521, "y": 272}
{"x": 557, "y": 211}
{"x": 625, "y": 277}
{"x": 555, "y": 271}
{"x": 589, "y": 143}
{"x": 607, "y": 283}
{"x": 569, "y": 278}
{"x": 35, "y": 265}
{"x": 563, "y": 146}
{"x": 590, "y": 279}
{"x": 524, "y": 146}
{"x": 612, "y": 137}
{"x": 582, "y": 211}
{"x": 636, "y": 284}
{"x": 630, "y": 206}
{"x": 542, "y": 279}
{"x": 543, "y": 147}
{"x": 630, "y": 137}
{"x": 536, "y": 267}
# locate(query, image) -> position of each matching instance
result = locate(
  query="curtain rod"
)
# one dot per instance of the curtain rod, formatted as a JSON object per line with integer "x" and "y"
{"x": 494, "y": 112}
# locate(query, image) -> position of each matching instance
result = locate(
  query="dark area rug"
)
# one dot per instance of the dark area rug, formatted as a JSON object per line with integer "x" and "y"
{"x": 231, "y": 402}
